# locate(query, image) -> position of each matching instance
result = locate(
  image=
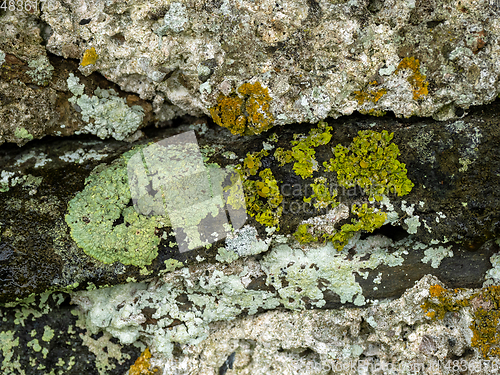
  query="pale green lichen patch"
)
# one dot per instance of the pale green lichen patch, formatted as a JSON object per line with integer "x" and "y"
{"x": 48, "y": 334}
{"x": 42, "y": 70}
{"x": 7, "y": 345}
{"x": 436, "y": 255}
{"x": 493, "y": 274}
{"x": 171, "y": 265}
{"x": 94, "y": 216}
{"x": 225, "y": 256}
{"x": 295, "y": 273}
{"x": 21, "y": 132}
{"x": 28, "y": 182}
{"x": 175, "y": 20}
{"x": 80, "y": 156}
{"x": 105, "y": 351}
{"x": 35, "y": 345}
{"x": 110, "y": 114}
{"x": 214, "y": 295}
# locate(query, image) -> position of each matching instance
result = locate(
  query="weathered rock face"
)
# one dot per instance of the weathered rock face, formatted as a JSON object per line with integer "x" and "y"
{"x": 358, "y": 211}
{"x": 315, "y": 58}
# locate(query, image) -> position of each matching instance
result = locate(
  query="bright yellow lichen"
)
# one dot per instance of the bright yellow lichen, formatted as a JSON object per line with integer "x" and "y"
{"x": 485, "y": 307}
{"x": 303, "y": 152}
{"x": 89, "y": 57}
{"x": 263, "y": 197}
{"x": 142, "y": 365}
{"x": 248, "y": 115}
{"x": 417, "y": 79}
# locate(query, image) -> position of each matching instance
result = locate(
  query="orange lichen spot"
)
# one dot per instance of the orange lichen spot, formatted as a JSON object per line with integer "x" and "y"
{"x": 485, "y": 308}
{"x": 247, "y": 115}
{"x": 228, "y": 113}
{"x": 89, "y": 57}
{"x": 142, "y": 365}
{"x": 417, "y": 79}
{"x": 372, "y": 96}
{"x": 257, "y": 107}
{"x": 437, "y": 290}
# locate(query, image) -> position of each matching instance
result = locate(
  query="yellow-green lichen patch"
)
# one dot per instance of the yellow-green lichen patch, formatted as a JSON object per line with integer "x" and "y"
{"x": 303, "y": 234}
{"x": 485, "y": 309}
{"x": 89, "y": 57}
{"x": 368, "y": 219}
{"x": 103, "y": 224}
{"x": 171, "y": 265}
{"x": 246, "y": 113}
{"x": 417, "y": 80}
{"x": 370, "y": 162}
{"x": 262, "y": 196}
{"x": 303, "y": 153}
{"x": 21, "y": 132}
{"x": 322, "y": 195}
{"x": 263, "y": 199}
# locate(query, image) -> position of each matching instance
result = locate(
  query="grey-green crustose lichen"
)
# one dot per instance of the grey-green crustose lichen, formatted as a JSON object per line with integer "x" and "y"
{"x": 105, "y": 227}
{"x": 110, "y": 114}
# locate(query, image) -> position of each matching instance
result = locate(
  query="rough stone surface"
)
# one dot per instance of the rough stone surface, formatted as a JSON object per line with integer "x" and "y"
{"x": 317, "y": 58}
{"x": 47, "y": 333}
{"x": 314, "y": 281}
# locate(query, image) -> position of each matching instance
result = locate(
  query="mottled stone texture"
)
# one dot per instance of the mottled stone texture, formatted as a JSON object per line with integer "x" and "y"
{"x": 317, "y": 58}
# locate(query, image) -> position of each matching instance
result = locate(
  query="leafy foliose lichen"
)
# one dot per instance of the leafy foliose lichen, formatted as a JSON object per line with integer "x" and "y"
{"x": 303, "y": 151}
{"x": 303, "y": 234}
{"x": 106, "y": 226}
{"x": 368, "y": 220}
{"x": 322, "y": 195}
{"x": 262, "y": 196}
{"x": 247, "y": 113}
{"x": 370, "y": 162}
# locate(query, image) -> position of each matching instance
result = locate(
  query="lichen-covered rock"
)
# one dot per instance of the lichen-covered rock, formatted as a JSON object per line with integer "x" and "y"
{"x": 91, "y": 233}
{"x": 428, "y": 327}
{"x": 309, "y": 59}
{"x": 34, "y": 91}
